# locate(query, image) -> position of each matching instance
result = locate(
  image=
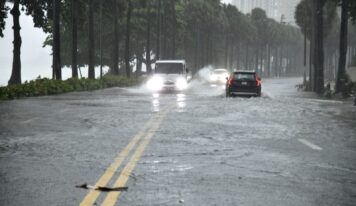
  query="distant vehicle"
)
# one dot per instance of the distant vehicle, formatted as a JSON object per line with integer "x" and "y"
{"x": 243, "y": 83}
{"x": 218, "y": 76}
{"x": 169, "y": 75}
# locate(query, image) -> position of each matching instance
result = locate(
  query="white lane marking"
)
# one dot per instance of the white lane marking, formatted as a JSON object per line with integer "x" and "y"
{"x": 311, "y": 145}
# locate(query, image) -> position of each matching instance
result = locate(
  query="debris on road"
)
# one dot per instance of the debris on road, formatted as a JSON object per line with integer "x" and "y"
{"x": 103, "y": 189}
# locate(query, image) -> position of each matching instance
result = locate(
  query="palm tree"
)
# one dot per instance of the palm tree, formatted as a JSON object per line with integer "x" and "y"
{"x": 74, "y": 38}
{"x": 91, "y": 71}
{"x": 16, "y": 64}
{"x": 127, "y": 44}
{"x": 148, "y": 36}
{"x": 115, "y": 61}
{"x": 56, "y": 40}
{"x": 319, "y": 46}
{"x": 343, "y": 46}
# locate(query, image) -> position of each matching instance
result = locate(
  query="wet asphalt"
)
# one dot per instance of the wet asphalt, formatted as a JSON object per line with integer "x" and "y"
{"x": 286, "y": 148}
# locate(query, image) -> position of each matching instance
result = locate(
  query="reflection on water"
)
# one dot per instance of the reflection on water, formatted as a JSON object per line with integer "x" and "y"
{"x": 155, "y": 95}
{"x": 180, "y": 101}
{"x": 219, "y": 86}
{"x": 155, "y": 102}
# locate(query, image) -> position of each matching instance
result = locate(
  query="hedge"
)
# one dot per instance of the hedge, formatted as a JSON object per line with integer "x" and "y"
{"x": 45, "y": 86}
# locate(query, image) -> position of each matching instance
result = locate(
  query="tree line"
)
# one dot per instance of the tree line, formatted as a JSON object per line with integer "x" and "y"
{"x": 130, "y": 35}
{"x": 329, "y": 27}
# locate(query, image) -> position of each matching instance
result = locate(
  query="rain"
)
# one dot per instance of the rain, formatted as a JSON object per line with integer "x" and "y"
{"x": 177, "y": 102}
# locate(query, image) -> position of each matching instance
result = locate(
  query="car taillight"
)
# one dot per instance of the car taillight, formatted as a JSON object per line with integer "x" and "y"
{"x": 258, "y": 81}
{"x": 230, "y": 80}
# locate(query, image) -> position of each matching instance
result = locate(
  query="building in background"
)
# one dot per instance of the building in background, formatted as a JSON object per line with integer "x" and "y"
{"x": 280, "y": 10}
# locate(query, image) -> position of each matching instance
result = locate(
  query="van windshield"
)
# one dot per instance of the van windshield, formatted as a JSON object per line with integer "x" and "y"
{"x": 169, "y": 68}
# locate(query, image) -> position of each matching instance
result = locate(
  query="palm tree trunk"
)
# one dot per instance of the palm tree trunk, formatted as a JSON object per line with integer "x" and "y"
{"x": 280, "y": 66}
{"x": 164, "y": 53}
{"x": 139, "y": 60}
{"x": 74, "y": 38}
{"x": 231, "y": 54}
{"x": 174, "y": 37}
{"x": 148, "y": 38}
{"x": 247, "y": 57}
{"x": 343, "y": 46}
{"x": 91, "y": 71}
{"x": 319, "y": 47}
{"x": 101, "y": 39}
{"x": 158, "y": 32}
{"x": 268, "y": 73}
{"x": 238, "y": 56}
{"x": 211, "y": 50}
{"x": 226, "y": 51}
{"x": 305, "y": 60}
{"x": 261, "y": 60}
{"x": 275, "y": 62}
{"x": 196, "y": 47}
{"x": 16, "y": 64}
{"x": 57, "y": 40}
{"x": 311, "y": 64}
{"x": 127, "y": 44}
{"x": 115, "y": 56}
{"x": 257, "y": 58}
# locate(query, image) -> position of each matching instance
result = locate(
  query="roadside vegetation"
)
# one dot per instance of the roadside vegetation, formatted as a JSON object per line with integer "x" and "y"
{"x": 45, "y": 86}
{"x": 329, "y": 29}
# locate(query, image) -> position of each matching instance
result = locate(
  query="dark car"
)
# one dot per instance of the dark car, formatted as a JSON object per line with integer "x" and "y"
{"x": 243, "y": 83}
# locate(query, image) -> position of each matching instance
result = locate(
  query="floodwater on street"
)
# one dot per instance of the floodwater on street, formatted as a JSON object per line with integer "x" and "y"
{"x": 192, "y": 148}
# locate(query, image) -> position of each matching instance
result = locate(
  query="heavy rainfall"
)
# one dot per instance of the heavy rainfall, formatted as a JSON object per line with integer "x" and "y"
{"x": 177, "y": 102}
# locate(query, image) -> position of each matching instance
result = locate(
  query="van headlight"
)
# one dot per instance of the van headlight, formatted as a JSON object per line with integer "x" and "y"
{"x": 181, "y": 84}
{"x": 155, "y": 83}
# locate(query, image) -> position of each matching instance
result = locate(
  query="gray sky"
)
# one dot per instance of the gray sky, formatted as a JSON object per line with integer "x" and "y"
{"x": 35, "y": 59}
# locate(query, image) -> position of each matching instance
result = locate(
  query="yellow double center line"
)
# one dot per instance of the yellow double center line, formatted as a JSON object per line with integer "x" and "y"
{"x": 146, "y": 134}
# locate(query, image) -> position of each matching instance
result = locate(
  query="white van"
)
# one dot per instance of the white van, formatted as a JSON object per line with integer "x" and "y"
{"x": 169, "y": 75}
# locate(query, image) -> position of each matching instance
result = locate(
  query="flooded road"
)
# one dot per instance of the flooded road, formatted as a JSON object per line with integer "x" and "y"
{"x": 192, "y": 148}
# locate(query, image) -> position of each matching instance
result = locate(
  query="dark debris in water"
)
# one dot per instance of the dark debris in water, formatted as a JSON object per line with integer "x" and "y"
{"x": 102, "y": 189}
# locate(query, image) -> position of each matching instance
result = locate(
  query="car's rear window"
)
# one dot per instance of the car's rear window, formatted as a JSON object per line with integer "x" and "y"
{"x": 244, "y": 76}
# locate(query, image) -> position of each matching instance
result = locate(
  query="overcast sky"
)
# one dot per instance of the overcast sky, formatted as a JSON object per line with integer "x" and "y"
{"x": 35, "y": 59}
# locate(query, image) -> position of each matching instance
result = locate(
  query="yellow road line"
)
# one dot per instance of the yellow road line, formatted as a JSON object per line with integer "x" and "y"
{"x": 112, "y": 197}
{"x": 91, "y": 197}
